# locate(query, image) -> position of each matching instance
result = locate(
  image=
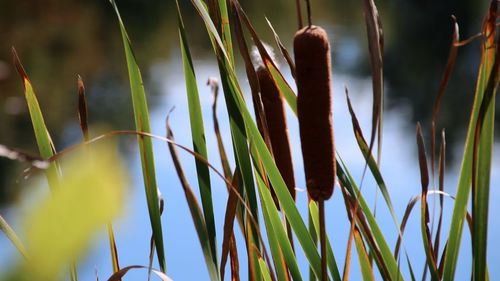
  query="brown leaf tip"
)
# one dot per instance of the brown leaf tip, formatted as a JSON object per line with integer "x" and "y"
{"x": 19, "y": 66}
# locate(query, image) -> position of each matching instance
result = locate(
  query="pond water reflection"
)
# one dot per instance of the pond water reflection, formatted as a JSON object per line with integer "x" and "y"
{"x": 109, "y": 102}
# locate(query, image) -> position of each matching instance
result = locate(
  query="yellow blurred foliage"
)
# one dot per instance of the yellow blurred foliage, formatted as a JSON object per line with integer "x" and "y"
{"x": 59, "y": 229}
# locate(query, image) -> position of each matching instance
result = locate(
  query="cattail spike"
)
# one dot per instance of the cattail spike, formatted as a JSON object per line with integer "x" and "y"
{"x": 313, "y": 70}
{"x": 277, "y": 127}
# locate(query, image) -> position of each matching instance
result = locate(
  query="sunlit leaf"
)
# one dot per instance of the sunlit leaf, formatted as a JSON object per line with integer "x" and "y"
{"x": 198, "y": 136}
{"x": 141, "y": 115}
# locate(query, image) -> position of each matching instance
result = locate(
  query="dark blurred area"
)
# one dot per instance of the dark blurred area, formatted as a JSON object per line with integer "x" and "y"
{"x": 416, "y": 55}
{"x": 56, "y": 40}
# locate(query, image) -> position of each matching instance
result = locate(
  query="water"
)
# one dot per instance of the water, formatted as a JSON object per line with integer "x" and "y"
{"x": 184, "y": 257}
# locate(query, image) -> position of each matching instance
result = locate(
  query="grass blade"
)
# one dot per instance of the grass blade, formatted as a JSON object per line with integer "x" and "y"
{"x": 279, "y": 80}
{"x": 465, "y": 179}
{"x": 279, "y": 240}
{"x": 226, "y": 29}
{"x": 220, "y": 144}
{"x": 232, "y": 92}
{"x": 283, "y": 50}
{"x": 235, "y": 266}
{"x": 141, "y": 116}
{"x": 481, "y": 159}
{"x": 196, "y": 214}
{"x": 13, "y": 237}
{"x": 386, "y": 262}
{"x": 442, "y": 159}
{"x": 442, "y": 87}
{"x": 198, "y": 135}
{"x": 332, "y": 263}
{"x": 231, "y": 208}
{"x": 43, "y": 139}
{"x": 120, "y": 274}
{"x": 253, "y": 80}
{"x": 265, "y": 272}
{"x": 286, "y": 201}
{"x": 376, "y": 47}
{"x": 82, "y": 116}
{"x": 82, "y": 109}
{"x": 364, "y": 260}
{"x": 424, "y": 219}
{"x": 372, "y": 164}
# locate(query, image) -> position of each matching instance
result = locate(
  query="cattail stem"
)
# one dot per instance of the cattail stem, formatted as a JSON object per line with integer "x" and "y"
{"x": 299, "y": 13}
{"x": 308, "y": 5}
{"x": 322, "y": 238}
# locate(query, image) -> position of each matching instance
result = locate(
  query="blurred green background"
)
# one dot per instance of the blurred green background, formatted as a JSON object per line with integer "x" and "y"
{"x": 57, "y": 40}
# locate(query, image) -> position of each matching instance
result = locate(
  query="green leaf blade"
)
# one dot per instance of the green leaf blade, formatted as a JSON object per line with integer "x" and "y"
{"x": 489, "y": 49}
{"x": 198, "y": 136}
{"x": 141, "y": 116}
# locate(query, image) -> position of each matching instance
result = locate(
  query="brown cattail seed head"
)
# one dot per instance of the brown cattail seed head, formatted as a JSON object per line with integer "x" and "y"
{"x": 314, "y": 100}
{"x": 277, "y": 127}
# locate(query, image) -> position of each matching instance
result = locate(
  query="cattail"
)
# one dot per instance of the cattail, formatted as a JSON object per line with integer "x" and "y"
{"x": 312, "y": 61}
{"x": 277, "y": 127}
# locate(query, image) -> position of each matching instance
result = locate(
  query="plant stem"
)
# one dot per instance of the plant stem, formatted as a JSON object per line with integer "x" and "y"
{"x": 308, "y": 5}
{"x": 322, "y": 238}
{"x": 299, "y": 14}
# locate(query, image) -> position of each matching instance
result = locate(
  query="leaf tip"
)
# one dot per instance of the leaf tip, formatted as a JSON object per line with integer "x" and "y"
{"x": 19, "y": 66}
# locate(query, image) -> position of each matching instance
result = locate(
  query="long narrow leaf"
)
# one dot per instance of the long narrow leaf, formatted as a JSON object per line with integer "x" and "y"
{"x": 372, "y": 164}
{"x": 198, "y": 135}
{"x": 332, "y": 263}
{"x": 376, "y": 47}
{"x": 141, "y": 115}
{"x": 196, "y": 214}
{"x": 364, "y": 260}
{"x": 231, "y": 209}
{"x": 424, "y": 218}
{"x": 43, "y": 139}
{"x": 265, "y": 272}
{"x": 83, "y": 117}
{"x": 275, "y": 227}
{"x": 482, "y": 157}
{"x": 283, "y": 50}
{"x": 386, "y": 259}
{"x": 120, "y": 274}
{"x": 465, "y": 179}
{"x": 13, "y": 237}
{"x": 278, "y": 78}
